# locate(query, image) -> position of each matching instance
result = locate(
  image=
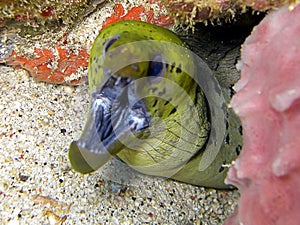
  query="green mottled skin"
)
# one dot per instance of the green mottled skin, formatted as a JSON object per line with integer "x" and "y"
{"x": 164, "y": 157}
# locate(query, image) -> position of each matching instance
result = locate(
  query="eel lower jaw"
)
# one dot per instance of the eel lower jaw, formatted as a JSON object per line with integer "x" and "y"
{"x": 116, "y": 115}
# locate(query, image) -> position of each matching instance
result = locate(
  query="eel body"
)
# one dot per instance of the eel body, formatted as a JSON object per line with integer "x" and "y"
{"x": 157, "y": 107}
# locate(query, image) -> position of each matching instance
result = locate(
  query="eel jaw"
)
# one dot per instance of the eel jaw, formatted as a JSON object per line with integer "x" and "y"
{"x": 116, "y": 114}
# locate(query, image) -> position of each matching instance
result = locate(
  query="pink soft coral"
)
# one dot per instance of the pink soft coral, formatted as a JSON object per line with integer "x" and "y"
{"x": 267, "y": 172}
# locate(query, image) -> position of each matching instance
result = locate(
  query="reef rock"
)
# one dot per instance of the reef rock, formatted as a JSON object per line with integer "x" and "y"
{"x": 218, "y": 11}
{"x": 267, "y": 172}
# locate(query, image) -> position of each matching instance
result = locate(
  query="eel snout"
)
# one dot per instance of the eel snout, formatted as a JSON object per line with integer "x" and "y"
{"x": 116, "y": 114}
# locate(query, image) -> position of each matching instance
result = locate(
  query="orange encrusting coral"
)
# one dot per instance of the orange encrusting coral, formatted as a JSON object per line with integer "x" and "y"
{"x": 49, "y": 67}
{"x": 137, "y": 13}
{"x": 43, "y": 66}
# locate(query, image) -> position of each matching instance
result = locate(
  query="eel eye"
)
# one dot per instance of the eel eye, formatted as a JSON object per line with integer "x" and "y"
{"x": 109, "y": 43}
{"x": 157, "y": 68}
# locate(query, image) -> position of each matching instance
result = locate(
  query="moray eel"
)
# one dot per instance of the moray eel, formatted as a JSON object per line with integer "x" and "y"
{"x": 157, "y": 107}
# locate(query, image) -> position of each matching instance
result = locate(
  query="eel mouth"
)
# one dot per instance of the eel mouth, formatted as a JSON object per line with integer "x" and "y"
{"x": 116, "y": 114}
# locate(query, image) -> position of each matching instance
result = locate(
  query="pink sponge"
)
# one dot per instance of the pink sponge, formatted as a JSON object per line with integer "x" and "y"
{"x": 267, "y": 172}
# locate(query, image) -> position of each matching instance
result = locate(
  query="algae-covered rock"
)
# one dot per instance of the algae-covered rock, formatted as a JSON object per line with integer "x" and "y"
{"x": 215, "y": 11}
{"x": 38, "y": 16}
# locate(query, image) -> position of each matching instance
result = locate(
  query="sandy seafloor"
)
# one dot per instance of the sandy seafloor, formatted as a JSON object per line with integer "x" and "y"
{"x": 37, "y": 185}
{"x": 38, "y": 122}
